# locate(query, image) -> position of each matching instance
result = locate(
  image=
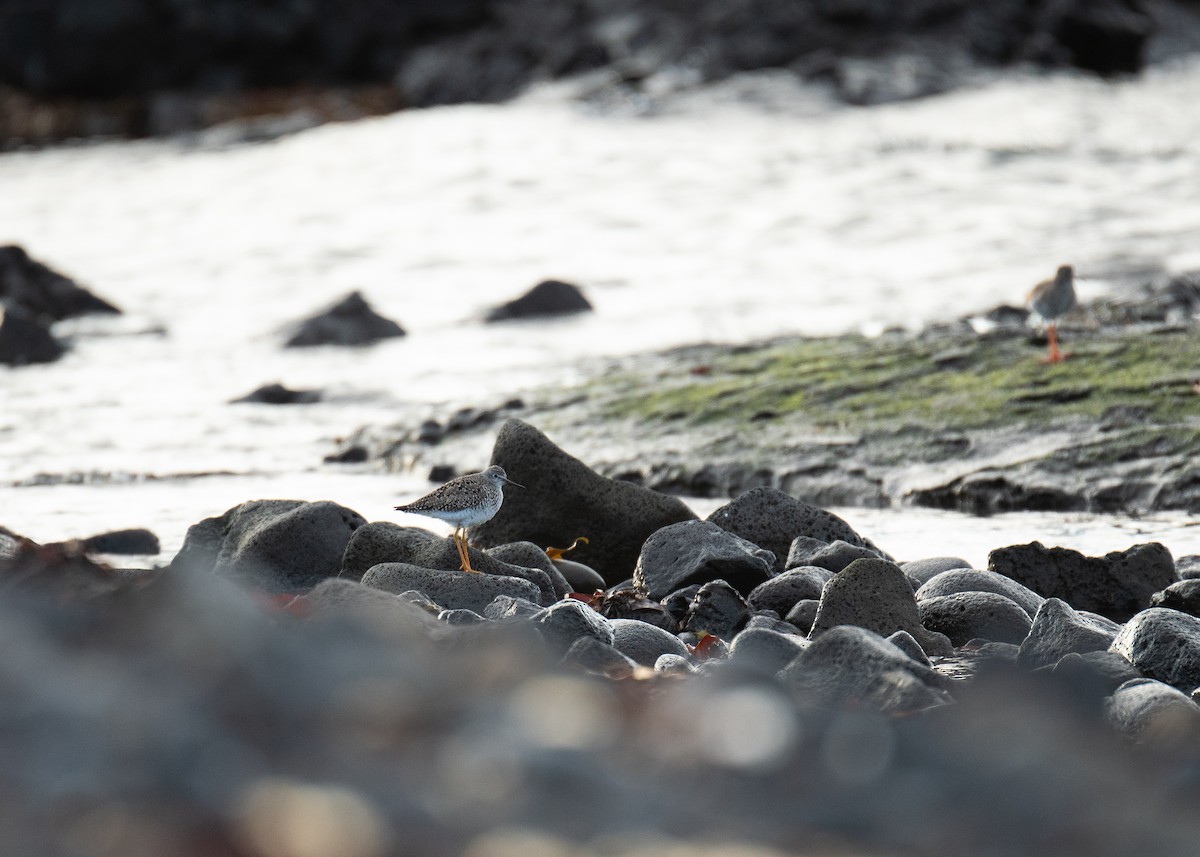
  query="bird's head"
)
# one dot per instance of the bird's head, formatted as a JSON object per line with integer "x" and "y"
{"x": 496, "y": 474}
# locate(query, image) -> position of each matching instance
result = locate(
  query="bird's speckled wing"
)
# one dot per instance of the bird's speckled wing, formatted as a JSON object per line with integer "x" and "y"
{"x": 456, "y": 495}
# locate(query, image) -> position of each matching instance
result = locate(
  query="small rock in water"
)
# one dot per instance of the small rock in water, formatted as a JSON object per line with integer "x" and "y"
{"x": 691, "y": 552}
{"x": 277, "y": 394}
{"x": 43, "y": 292}
{"x": 25, "y": 340}
{"x": 547, "y": 299}
{"x": 351, "y": 321}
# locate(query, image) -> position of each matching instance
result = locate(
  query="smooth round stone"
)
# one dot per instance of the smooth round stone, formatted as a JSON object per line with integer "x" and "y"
{"x": 970, "y": 580}
{"x": 1150, "y": 710}
{"x": 1164, "y": 644}
{"x": 765, "y": 650}
{"x": 965, "y": 616}
{"x": 922, "y": 570}
{"x": 645, "y": 643}
{"x": 693, "y": 552}
{"x": 565, "y": 622}
{"x": 450, "y": 589}
{"x": 782, "y": 592}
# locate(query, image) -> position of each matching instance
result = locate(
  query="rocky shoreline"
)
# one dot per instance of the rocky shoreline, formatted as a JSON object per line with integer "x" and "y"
{"x": 958, "y": 416}
{"x": 767, "y": 679}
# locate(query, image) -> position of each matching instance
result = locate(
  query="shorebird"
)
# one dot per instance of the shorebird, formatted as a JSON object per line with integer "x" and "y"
{"x": 1052, "y": 299}
{"x": 464, "y": 502}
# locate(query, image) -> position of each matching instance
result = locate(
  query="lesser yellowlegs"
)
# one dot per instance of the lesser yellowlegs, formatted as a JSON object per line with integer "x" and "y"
{"x": 464, "y": 502}
{"x": 1052, "y": 299}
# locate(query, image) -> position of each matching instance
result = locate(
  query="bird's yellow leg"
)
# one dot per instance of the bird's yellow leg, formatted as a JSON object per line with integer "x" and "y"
{"x": 460, "y": 539}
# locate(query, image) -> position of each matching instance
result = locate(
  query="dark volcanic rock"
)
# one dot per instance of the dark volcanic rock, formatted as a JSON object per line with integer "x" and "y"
{"x": 43, "y": 292}
{"x": 803, "y": 614}
{"x": 971, "y": 580}
{"x": 529, "y": 555}
{"x": 565, "y": 622}
{"x": 773, "y": 520}
{"x": 1183, "y": 596}
{"x": 350, "y": 321}
{"x": 580, "y": 577}
{"x": 1057, "y": 631}
{"x": 783, "y": 591}
{"x": 717, "y": 609}
{"x": 277, "y": 545}
{"x": 924, "y": 570}
{"x": 645, "y": 643}
{"x": 546, "y": 299}
{"x": 1095, "y": 673}
{"x": 966, "y": 616}
{"x": 1116, "y": 585}
{"x": 691, "y": 552}
{"x": 25, "y": 340}
{"x": 1164, "y": 644}
{"x": 449, "y": 589}
{"x": 873, "y": 594}
{"x": 1153, "y": 711}
{"x": 851, "y": 666}
{"x": 593, "y": 656}
{"x": 277, "y": 394}
{"x": 564, "y": 499}
{"x": 834, "y": 555}
{"x": 383, "y": 541}
{"x": 765, "y": 650}
{"x": 135, "y": 541}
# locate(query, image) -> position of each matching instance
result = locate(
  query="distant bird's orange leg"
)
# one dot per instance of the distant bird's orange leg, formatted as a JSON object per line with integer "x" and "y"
{"x": 1055, "y": 356}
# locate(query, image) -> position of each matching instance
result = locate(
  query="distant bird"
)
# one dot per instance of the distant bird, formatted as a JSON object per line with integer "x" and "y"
{"x": 1052, "y": 299}
{"x": 464, "y": 502}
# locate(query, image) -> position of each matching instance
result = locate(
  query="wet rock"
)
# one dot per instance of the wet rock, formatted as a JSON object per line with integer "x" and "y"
{"x": 1183, "y": 596}
{"x": 43, "y": 292}
{"x": 579, "y": 577}
{"x": 1116, "y": 585}
{"x": 1057, "y": 631}
{"x": 833, "y": 556}
{"x": 644, "y": 643}
{"x": 1164, "y": 644}
{"x": 908, "y": 644}
{"x": 350, "y": 321}
{"x": 691, "y": 552}
{"x": 803, "y": 614}
{"x": 1154, "y": 712}
{"x": 565, "y": 622}
{"x": 547, "y": 299}
{"x": 529, "y": 555}
{"x": 850, "y": 666}
{"x": 449, "y": 589}
{"x": 971, "y": 580}
{"x": 964, "y": 616}
{"x": 873, "y": 594}
{"x": 508, "y": 607}
{"x": 564, "y": 499}
{"x": 137, "y": 541}
{"x": 782, "y": 592}
{"x": 678, "y": 602}
{"x": 718, "y": 609}
{"x": 25, "y": 340}
{"x": 277, "y": 394}
{"x": 593, "y": 656}
{"x": 276, "y": 545}
{"x": 773, "y": 520}
{"x": 765, "y": 650}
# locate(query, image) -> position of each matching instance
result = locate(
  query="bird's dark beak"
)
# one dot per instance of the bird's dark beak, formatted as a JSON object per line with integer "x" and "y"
{"x": 510, "y": 482}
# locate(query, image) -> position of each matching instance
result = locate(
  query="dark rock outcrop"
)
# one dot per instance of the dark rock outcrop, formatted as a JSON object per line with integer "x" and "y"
{"x": 351, "y": 321}
{"x": 564, "y": 499}
{"x": 1117, "y": 585}
{"x": 690, "y": 552}
{"x": 275, "y": 545}
{"x": 45, "y": 293}
{"x": 25, "y": 340}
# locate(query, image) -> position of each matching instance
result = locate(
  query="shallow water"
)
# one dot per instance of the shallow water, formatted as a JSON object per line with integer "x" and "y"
{"x": 719, "y": 219}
